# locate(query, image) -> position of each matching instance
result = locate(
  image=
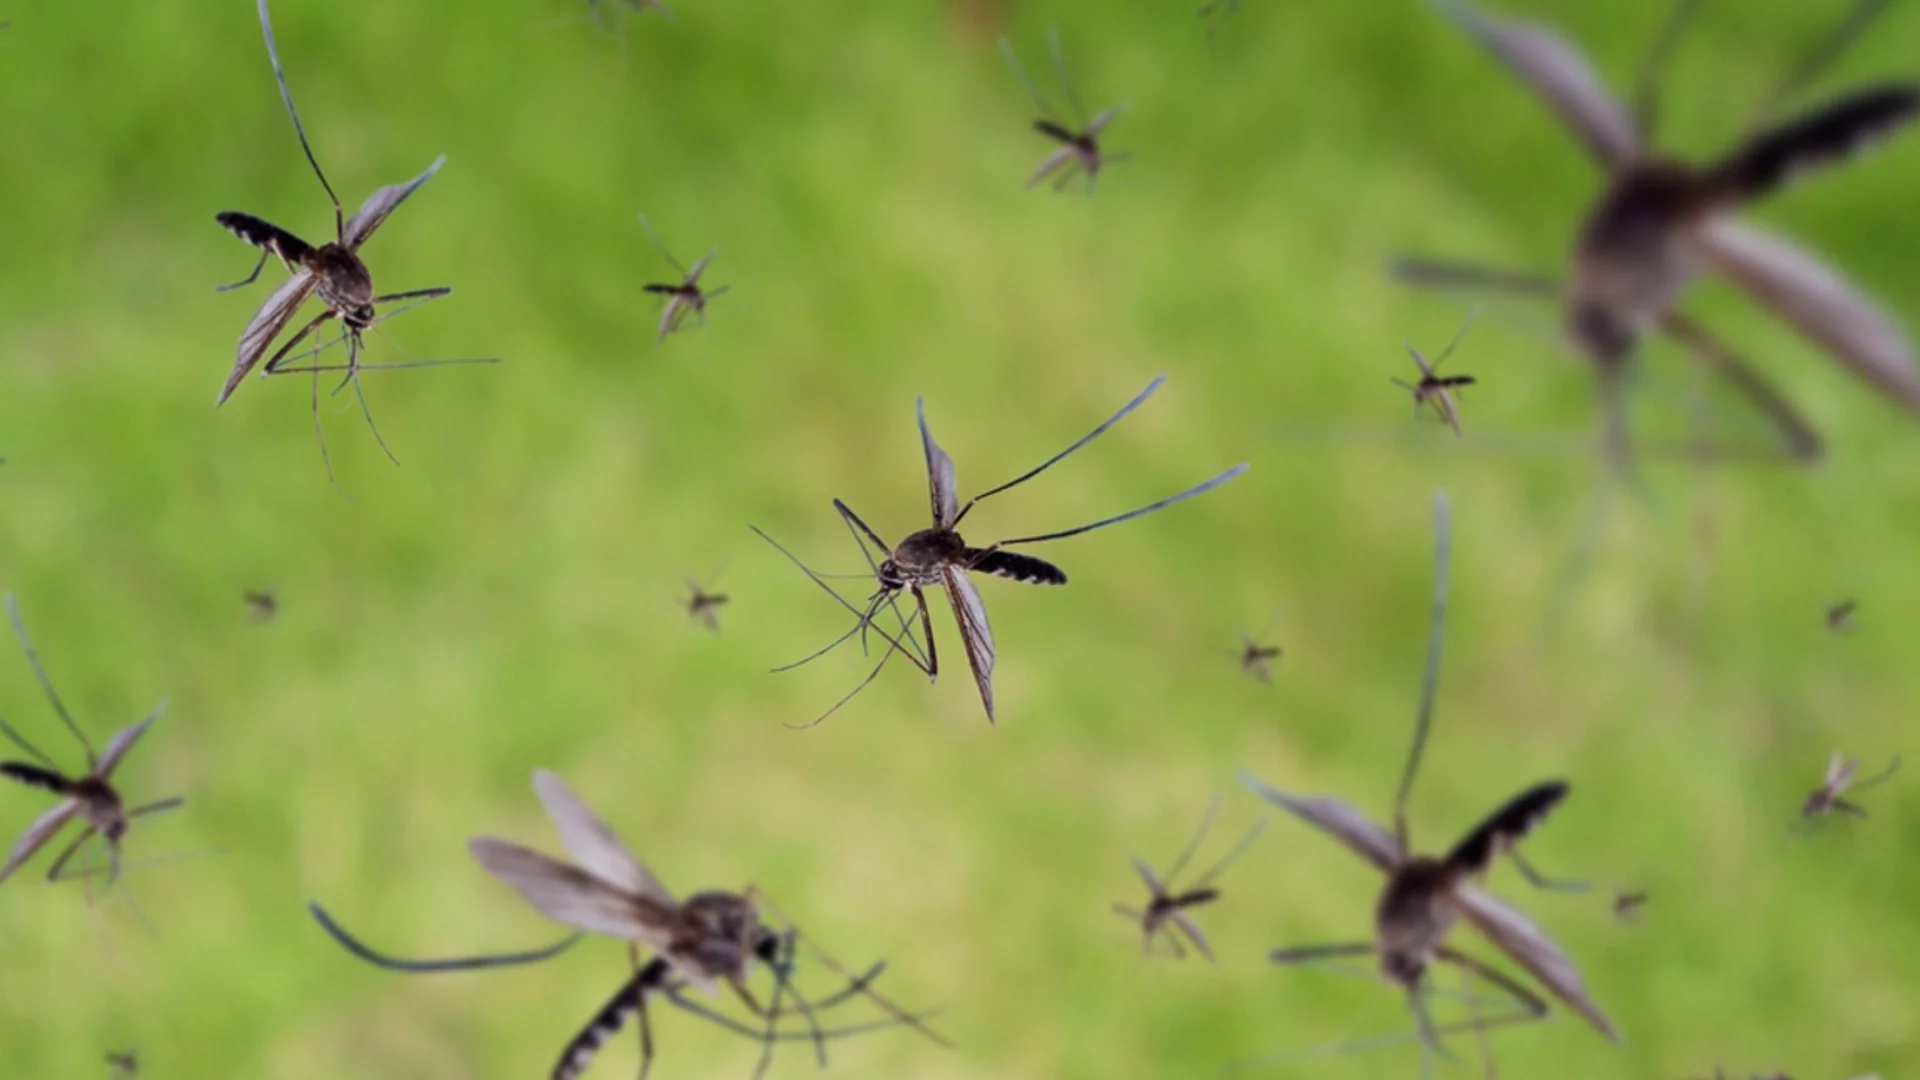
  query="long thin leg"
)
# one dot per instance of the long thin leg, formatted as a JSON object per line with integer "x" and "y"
{"x": 66, "y": 853}
{"x": 828, "y": 589}
{"x": 859, "y": 985}
{"x": 1201, "y": 489}
{"x": 1193, "y": 844}
{"x": 286, "y": 95}
{"x": 46, "y": 684}
{"x": 1231, "y": 857}
{"x": 1648, "y": 86}
{"x": 1430, "y": 681}
{"x": 1802, "y": 441}
{"x": 466, "y": 963}
{"x": 1818, "y": 58}
{"x": 1881, "y": 777}
{"x": 1138, "y": 400}
{"x": 32, "y": 751}
{"x": 662, "y": 248}
{"x": 250, "y": 278}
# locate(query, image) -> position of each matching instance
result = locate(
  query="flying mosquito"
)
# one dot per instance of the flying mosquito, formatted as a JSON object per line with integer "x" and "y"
{"x": 1425, "y": 896}
{"x": 939, "y": 556}
{"x": 1660, "y": 222}
{"x": 704, "y": 605}
{"x": 1627, "y": 905}
{"x": 1079, "y": 141}
{"x": 1165, "y": 906}
{"x": 1256, "y": 659}
{"x": 1436, "y": 389}
{"x": 1840, "y": 616}
{"x": 262, "y": 604}
{"x": 91, "y": 797}
{"x": 333, "y": 271}
{"x": 125, "y": 1062}
{"x": 1841, "y": 770}
{"x": 685, "y": 297}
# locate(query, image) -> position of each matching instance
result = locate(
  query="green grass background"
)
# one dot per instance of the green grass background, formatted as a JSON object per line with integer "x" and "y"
{"x": 506, "y": 599}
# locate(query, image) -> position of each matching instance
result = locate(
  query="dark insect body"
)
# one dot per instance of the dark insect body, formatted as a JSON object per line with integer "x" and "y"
{"x": 1080, "y": 153}
{"x": 1436, "y": 389}
{"x": 1166, "y": 910}
{"x": 1840, "y": 616}
{"x": 1841, "y": 770}
{"x": 685, "y": 296}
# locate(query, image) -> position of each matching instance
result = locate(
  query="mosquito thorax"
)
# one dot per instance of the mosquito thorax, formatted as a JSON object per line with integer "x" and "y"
{"x": 919, "y": 558}
{"x": 718, "y": 933}
{"x": 1412, "y": 917}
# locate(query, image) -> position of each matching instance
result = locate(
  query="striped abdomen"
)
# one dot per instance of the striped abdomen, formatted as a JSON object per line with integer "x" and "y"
{"x": 267, "y": 236}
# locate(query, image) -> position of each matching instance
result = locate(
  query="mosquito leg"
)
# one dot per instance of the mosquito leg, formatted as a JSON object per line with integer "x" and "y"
{"x": 853, "y": 519}
{"x": 367, "y": 411}
{"x": 1541, "y": 881}
{"x": 250, "y": 278}
{"x": 1430, "y": 681}
{"x": 470, "y": 963}
{"x": 1851, "y": 809}
{"x": 57, "y": 872}
{"x": 46, "y": 682}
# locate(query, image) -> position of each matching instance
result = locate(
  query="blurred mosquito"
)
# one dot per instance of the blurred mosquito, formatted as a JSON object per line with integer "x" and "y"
{"x": 1425, "y": 896}
{"x": 125, "y": 1063}
{"x": 1840, "y": 616}
{"x": 91, "y": 797}
{"x": 1436, "y": 389}
{"x": 1627, "y": 905}
{"x": 685, "y": 297}
{"x": 1166, "y": 907}
{"x": 1841, "y": 770}
{"x": 1079, "y": 140}
{"x": 1661, "y": 222}
{"x": 1256, "y": 659}
{"x": 333, "y": 271}
{"x": 940, "y": 556}
{"x": 710, "y": 938}
{"x": 704, "y": 605}
{"x": 262, "y": 604}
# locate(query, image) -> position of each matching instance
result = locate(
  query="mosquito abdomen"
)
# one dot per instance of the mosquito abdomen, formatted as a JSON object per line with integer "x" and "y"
{"x": 264, "y": 234}
{"x": 34, "y": 776}
{"x": 1828, "y": 135}
{"x": 1012, "y": 564}
{"x": 1506, "y": 827}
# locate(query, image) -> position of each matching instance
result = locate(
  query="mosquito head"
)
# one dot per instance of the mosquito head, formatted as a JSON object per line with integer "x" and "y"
{"x": 892, "y": 578}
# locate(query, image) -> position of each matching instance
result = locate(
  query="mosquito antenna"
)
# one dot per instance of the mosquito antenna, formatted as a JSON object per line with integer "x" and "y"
{"x": 46, "y": 684}
{"x": 1430, "y": 682}
{"x": 1084, "y": 440}
{"x": 1648, "y": 87}
{"x": 1066, "y": 79}
{"x": 1231, "y": 856}
{"x": 466, "y": 963}
{"x": 1892, "y": 767}
{"x": 1230, "y": 474}
{"x": 1179, "y": 864}
{"x": 17, "y": 740}
{"x": 286, "y": 95}
{"x": 662, "y": 248}
{"x": 1822, "y": 55}
{"x": 1006, "y": 49}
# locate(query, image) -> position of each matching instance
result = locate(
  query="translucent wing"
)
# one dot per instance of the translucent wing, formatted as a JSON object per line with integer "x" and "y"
{"x": 38, "y": 834}
{"x": 1335, "y": 816}
{"x": 1154, "y": 884}
{"x": 1557, "y": 73}
{"x": 1193, "y": 932}
{"x": 381, "y": 203}
{"x": 1531, "y": 948}
{"x": 940, "y": 481}
{"x": 669, "y": 318}
{"x": 693, "y": 275}
{"x": 1840, "y": 770}
{"x": 267, "y": 323}
{"x": 1107, "y": 116}
{"x": 122, "y": 742}
{"x": 569, "y": 895}
{"x": 592, "y": 843}
{"x": 1819, "y": 303}
{"x": 1052, "y": 163}
{"x": 975, "y": 634}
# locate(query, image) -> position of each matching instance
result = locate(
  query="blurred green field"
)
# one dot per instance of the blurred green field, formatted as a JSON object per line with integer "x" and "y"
{"x": 507, "y": 598}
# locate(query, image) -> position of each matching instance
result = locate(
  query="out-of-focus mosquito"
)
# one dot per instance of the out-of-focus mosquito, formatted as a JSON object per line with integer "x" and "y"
{"x": 1425, "y": 896}
{"x": 333, "y": 271}
{"x": 1167, "y": 907}
{"x": 1257, "y": 657}
{"x": 124, "y": 1062}
{"x": 940, "y": 556}
{"x": 1840, "y": 616}
{"x": 684, "y": 297}
{"x": 704, "y": 605}
{"x": 262, "y": 604}
{"x": 1627, "y": 905}
{"x": 1661, "y": 222}
{"x": 1841, "y": 770}
{"x": 1079, "y": 138}
{"x": 91, "y": 797}
{"x": 1434, "y": 388}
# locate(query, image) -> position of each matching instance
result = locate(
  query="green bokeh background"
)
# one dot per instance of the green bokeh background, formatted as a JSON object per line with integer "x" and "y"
{"x": 507, "y": 598}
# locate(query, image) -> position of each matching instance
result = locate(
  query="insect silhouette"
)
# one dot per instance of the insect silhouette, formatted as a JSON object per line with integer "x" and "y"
{"x": 683, "y": 298}
{"x": 1426, "y": 896}
{"x": 1840, "y": 616}
{"x": 125, "y": 1062}
{"x": 1167, "y": 910}
{"x": 1841, "y": 770}
{"x": 90, "y": 797}
{"x": 704, "y": 605}
{"x": 1080, "y": 152}
{"x": 938, "y": 555}
{"x": 1436, "y": 389}
{"x": 712, "y": 937}
{"x": 262, "y": 604}
{"x": 333, "y": 271}
{"x": 1256, "y": 659}
{"x": 1661, "y": 222}
{"x": 1627, "y": 905}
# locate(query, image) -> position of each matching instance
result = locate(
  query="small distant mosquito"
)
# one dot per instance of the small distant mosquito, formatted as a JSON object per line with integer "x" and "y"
{"x": 1841, "y": 770}
{"x": 940, "y": 556}
{"x": 91, "y": 797}
{"x": 1425, "y": 896}
{"x": 1661, "y": 222}
{"x": 1436, "y": 389}
{"x": 1840, "y": 616}
{"x": 262, "y": 604}
{"x": 1079, "y": 140}
{"x": 333, "y": 271}
{"x": 1627, "y": 905}
{"x": 124, "y": 1063}
{"x": 1165, "y": 906}
{"x": 684, "y": 297}
{"x": 704, "y": 605}
{"x": 1256, "y": 659}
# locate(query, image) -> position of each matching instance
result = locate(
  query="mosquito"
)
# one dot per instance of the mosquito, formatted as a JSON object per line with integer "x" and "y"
{"x": 333, "y": 271}
{"x": 938, "y": 555}
{"x": 1166, "y": 907}
{"x": 125, "y": 1062}
{"x": 1661, "y": 222}
{"x": 1841, "y": 770}
{"x": 1256, "y": 659}
{"x": 262, "y": 604}
{"x": 1425, "y": 896}
{"x": 704, "y": 605}
{"x": 685, "y": 297}
{"x": 1436, "y": 389}
{"x": 1840, "y": 616}
{"x": 91, "y": 796}
{"x": 1627, "y": 905}
{"x": 1079, "y": 140}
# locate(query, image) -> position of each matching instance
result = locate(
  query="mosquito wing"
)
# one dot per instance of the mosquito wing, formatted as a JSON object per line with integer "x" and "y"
{"x": 569, "y": 895}
{"x": 1054, "y": 161}
{"x": 1338, "y": 818}
{"x": 693, "y": 275}
{"x": 38, "y": 834}
{"x": 1840, "y": 770}
{"x": 1531, "y": 948}
{"x": 122, "y": 742}
{"x": 940, "y": 481}
{"x": 381, "y": 203}
{"x": 1558, "y": 73}
{"x": 975, "y": 633}
{"x": 1154, "y": 884}
{"x": 1194, "y": 933}
{"x": 1818, "y": 302}
{"x": 267, "y": 323}
{"x": 592, "y": 843}
{"x": 1106, "y": 116}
